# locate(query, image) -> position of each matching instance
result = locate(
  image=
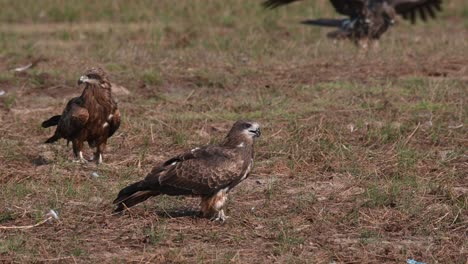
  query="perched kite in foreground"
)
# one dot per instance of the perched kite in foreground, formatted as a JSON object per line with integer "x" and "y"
{"x": 209, "y": 171}
{"x": 368, "y": 19}
{"x": 91, "y": 117}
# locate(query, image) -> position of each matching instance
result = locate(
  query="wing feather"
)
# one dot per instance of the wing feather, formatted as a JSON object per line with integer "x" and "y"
{"x": 202, "y": 171}
{"x": 350, "y": 8}
{"x": 409, "y": 8}
{"x": 344, "y": 7}
{"x": 412, "y": 16}
{"x": 73, "y": 119}
{"x": 430, "y": 11}
{"x": 272, "y": 4}
{"x": 114, "y": 122}
{"x": 325, "y": 22}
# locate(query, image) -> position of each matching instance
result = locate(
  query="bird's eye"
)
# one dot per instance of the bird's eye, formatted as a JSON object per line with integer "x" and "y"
{"x": 247, "y": 125}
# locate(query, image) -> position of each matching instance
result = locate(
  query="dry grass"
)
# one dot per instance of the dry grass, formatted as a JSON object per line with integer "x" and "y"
{"x": 363, "y": 158}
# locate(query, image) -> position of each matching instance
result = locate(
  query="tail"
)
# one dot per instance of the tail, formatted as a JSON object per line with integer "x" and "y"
{"x": 324, "y": 22}
{"x": 134, "y": 194}
{"x": 53, "y": 121}
{"x": 53, "y": 138}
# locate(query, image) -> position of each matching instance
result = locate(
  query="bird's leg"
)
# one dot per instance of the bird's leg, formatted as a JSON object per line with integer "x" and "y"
{"x": 221, "y": 217}
{"x": 77, "y": 146}
{"x": 212, "y": 207}
{"x": 82, "y": 159}
{"x": 375, "y": 45}
{"x": 363, "y": 43}
{"x": 98, "y": 155}
{"x": 79, "y": 158}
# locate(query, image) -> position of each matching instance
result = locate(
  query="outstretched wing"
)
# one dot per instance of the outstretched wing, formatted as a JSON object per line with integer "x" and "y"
{"x": 345, "y": 7}
{"x": 201, "y": 171}
{"x": 409, "y": 9}
{"x": 73, "y": 118}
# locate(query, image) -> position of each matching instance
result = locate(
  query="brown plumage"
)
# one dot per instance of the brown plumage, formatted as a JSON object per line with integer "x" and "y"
{"x": 92, "y": 117}
{"x": 209, "y": 171}
{"x": 369, "y": 19}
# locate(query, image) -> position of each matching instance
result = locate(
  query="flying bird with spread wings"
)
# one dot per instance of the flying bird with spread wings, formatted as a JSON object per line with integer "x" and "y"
{"x": 368, "y": 19}
{"x": 92, "y": 117}
{"x": 209, "y": 172}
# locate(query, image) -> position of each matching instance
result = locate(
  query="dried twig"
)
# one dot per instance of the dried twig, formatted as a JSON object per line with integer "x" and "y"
{"x": 456, "y": 217}
{"x": 455, "y": 127}
{"x": 23, "y": 68}
{"x": 50, "y": 215}
{"x": 28, "y": 226}
{"x": 32, "y": 64}
{"x": 412, "y": 134}
{"x": 188, "y": 97}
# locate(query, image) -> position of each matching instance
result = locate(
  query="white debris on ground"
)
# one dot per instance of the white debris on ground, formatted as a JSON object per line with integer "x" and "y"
{"x": 52, "y": 213}
{"x": 23, "y": 68}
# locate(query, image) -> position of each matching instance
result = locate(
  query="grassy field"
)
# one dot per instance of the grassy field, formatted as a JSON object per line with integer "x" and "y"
{"x": 363, "y": 157}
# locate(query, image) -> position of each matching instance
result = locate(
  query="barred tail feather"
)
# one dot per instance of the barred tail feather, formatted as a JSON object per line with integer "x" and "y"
{"x": 324, "y": 22}
{"x": 134, "y": 194}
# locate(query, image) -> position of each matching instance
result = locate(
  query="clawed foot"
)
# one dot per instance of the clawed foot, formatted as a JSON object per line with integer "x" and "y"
{"x": 80, "y": 158}
{"x": 220, "y": 217}
{"x": 97, "y": 157}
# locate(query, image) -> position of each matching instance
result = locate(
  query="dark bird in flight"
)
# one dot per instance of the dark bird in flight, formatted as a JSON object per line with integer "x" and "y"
{"x": 368, "y": 19}
{"x": 92, "y": 117}
{"x": 209, "y": 172}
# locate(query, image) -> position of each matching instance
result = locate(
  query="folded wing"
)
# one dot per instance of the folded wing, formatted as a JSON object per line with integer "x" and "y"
{"x": 202, "y": 171}
{"x": 73, "y": 119}
{"x": 114, "y": 120}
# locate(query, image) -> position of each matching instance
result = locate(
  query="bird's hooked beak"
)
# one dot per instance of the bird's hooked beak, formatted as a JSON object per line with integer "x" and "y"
{"x": 83, "y": 79}
{"x": 256, "y": 131}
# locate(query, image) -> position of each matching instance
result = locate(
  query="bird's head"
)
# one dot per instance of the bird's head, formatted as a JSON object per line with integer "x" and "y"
{"x": 95, "y": 75}
{"x": 389, "y": 13}
{"x": 242, "y": 132}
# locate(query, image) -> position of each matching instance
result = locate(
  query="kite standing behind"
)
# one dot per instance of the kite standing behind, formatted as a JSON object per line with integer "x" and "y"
{"x": 91, "y": 117}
